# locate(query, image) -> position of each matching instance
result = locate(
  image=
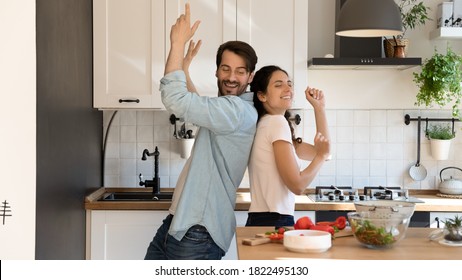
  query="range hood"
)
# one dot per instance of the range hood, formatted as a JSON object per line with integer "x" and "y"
{"x": 360, "y": 53}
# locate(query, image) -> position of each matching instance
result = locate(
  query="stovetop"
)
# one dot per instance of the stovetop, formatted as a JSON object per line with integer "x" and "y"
{"x": 349, "y": 195}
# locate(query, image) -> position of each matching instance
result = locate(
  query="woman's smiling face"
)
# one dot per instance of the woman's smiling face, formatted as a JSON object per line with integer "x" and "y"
{"x": 279, "y": 94}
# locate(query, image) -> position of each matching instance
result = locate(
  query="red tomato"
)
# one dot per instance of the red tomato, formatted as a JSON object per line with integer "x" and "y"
{"x": 281, "y": 230}
{"x": 303, "y": 223}
{"x": 329, "y": 229}
{"x": 340, "y": 222}
{"x": 276, "y": 236}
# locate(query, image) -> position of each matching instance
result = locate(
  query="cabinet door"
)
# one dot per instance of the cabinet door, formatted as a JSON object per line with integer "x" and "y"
{"x": 278, "y": 30}
{"x": 121, "y": 235}
{"x": 129, "y": 53}
{"x": 218, "y": 24}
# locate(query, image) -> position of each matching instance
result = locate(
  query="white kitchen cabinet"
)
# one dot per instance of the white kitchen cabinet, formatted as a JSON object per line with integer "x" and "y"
{"x": 279, "y": 34}
{"x": 129, "y": 53}
{"x": 121, "y": 235}
{"x": 125, "y": 235}
{"x": 132, "y": 42}
{"x": 441, "y": 217}
{"x": 218, "y": 25}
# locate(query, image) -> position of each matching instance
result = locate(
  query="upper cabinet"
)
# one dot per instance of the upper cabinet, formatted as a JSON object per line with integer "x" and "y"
{"x": 131, "y": 44}
{"x": 278, "y": 30}
{"x": 218, "y": 24}
{"x": 129, "y": 53}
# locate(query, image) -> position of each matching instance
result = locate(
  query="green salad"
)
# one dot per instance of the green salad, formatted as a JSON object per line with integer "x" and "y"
{"x": 368, "y": 233}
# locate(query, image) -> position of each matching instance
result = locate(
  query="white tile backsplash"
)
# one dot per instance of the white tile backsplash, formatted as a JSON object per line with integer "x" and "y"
{"x": 369, "y": 147}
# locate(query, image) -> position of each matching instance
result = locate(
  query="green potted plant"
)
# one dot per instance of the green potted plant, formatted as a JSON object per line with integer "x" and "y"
{"x": 453, "y": 229}
{"x": 440, "y": 140}
{"x": 440, "y": 80}
{"x": 413, "y": 14}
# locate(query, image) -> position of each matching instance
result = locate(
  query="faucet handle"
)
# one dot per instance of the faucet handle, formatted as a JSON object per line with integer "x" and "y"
{"x": 141, "y": 179}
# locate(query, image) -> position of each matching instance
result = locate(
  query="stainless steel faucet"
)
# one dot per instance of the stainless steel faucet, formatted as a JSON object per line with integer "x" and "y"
{"x": 155, "y": 182}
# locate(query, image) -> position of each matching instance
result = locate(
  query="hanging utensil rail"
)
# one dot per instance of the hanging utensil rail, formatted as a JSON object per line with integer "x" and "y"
{"x": 408, "y": 119}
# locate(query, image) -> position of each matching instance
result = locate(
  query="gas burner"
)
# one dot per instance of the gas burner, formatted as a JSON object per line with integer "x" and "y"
{"x": 336, "y": 194}
{"x": 385, "y": 193}
{"x": 348, "y": 194}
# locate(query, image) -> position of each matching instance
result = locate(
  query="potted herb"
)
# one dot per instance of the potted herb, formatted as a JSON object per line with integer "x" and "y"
{"x": 440, "y": 80}
{"x": 453, "y": 229}
{"x": 413, "y": 14}
{"x": 440, "y": 140}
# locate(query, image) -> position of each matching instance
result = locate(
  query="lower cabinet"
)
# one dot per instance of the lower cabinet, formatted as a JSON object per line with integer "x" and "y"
{"x": 125, "y": 234}
{"x": 120, "y": 235}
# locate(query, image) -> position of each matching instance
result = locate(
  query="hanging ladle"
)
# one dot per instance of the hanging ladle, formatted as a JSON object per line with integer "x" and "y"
{"x": 418, "y": 172}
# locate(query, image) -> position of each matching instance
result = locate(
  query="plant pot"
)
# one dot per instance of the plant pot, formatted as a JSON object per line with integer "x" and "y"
{"x": 440, "y": 148}
{"x": 389, "y": 46}
{"x": 453, "y": 234}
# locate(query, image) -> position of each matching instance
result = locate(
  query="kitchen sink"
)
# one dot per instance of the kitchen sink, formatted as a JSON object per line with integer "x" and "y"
{"x": 137, "y": 196}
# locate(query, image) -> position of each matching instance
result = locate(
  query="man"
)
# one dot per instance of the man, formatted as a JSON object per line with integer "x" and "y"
{"x": 201, "y": 222}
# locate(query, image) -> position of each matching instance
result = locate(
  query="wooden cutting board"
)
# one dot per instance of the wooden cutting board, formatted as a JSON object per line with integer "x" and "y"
{"x": 262, "y": 238}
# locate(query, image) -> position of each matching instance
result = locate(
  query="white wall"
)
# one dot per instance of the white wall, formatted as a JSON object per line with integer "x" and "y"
{"x": 18, "y": 127}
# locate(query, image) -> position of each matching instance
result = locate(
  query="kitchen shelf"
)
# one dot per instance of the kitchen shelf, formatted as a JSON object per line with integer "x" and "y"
{"x": 446, "y": 33}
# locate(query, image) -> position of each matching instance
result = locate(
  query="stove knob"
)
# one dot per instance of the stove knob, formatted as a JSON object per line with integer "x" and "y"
{"x": 341, "y": 197}
{"x": 362, "y": 197}
{"x": 352, "y": 197}
{"x": 331, "y": 196}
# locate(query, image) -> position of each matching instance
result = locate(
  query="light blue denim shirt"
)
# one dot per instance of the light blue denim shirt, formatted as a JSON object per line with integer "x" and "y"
{"x": 218, "y": 161}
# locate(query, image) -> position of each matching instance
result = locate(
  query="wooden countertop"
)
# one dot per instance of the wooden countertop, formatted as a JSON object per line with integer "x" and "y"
{"x": 414, "y": 246}
{"x": 432, "y": 202}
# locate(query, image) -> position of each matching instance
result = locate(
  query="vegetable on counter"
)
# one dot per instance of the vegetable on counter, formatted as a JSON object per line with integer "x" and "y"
{"x": 370, "y": 234}
{"x": 277, "y": 234}
{"x": 327, "y": 228}
{"x": 303, "y": 223}
{"x": 339, "y": 223}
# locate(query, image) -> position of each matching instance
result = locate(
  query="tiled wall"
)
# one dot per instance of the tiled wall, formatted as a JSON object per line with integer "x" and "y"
{"x": 369, "y": 148}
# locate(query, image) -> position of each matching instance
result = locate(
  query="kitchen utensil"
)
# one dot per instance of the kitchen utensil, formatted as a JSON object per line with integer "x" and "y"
{"x": 256, "y": 241}
{"x": 451, "y": 185}
{"x": 189, "y": 134}
{"x": 261, "y": 238}
{"x": 307, "y": 241}
{"x": 182, "y": 132}
{"x": 378, "y": 230}
{"x": 386, "y": 206}
{"x": 418, "y": 172}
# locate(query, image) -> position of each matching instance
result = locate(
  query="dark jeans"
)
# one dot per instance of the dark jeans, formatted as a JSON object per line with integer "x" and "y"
{"x": 197, "y": 244}
{"x": 269, "y": 219}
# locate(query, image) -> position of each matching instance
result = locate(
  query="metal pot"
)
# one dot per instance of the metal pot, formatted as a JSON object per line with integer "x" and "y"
{"x": 451, "y": 185}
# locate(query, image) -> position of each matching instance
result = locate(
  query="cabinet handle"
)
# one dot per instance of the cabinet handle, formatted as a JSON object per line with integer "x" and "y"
{"x": 135, "y": 100}
{"x": 437, "y": 222}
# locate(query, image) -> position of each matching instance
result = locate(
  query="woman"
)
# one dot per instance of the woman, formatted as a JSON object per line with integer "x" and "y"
{"x": 274, "y": 167}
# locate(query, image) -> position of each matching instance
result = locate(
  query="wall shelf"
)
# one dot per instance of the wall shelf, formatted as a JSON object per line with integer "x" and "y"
{"x": 446, "y": 33}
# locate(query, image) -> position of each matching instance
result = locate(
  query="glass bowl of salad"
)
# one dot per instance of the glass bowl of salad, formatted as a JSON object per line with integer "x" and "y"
{"x": 378, "y": 230}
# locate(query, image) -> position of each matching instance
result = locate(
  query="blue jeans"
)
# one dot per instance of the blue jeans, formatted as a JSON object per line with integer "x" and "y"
{"x": 269, "y": 219}
{"x": 197, "y": 244}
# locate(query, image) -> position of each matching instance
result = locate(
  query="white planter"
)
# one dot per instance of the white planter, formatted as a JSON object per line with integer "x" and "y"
{"x": 440, "y": 148}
